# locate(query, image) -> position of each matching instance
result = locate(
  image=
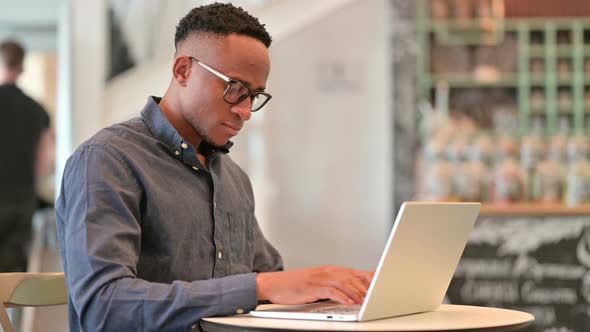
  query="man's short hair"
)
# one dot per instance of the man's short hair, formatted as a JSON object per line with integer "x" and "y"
{"x": 12, "y": 54}
{"x": 222, "y": 19}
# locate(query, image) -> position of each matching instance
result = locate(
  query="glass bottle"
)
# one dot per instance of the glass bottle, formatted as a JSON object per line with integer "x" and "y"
{"x": 508, "y": 183}
{"x": 558, "y": 143}
{"x": 532, "y": 149}
{"x": 438, "y": 174}
{"x": 473, "y": 178}
{"x": 549, "y": 178}
{"x": 577, "y": 182}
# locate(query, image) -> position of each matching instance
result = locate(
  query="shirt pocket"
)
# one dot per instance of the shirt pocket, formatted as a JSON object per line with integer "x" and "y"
{"x": 241, "y": 242}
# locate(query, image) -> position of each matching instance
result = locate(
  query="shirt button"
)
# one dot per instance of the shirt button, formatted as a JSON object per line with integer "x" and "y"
{"x": 177, "y": 153}
{"x": 240, "y": 311}
{"x": 195, "y": 168}
{"x": 194, "y": 327}
{"x": 219, "y": 255}
{"x": 184, "y": 145}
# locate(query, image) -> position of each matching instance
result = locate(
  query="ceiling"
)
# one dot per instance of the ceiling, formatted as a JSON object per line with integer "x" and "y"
{"x": 32, "y": 22}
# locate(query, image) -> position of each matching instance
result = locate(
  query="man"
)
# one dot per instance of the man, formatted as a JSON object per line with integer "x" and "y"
{"x": 156, "y": 222}
{"x": 23, "y": 137}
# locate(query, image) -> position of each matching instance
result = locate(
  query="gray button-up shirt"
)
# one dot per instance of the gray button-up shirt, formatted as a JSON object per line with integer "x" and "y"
{"x": 151, "y": 240}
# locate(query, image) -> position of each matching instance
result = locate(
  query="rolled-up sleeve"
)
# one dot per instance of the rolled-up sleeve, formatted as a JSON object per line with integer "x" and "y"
{"x": 100, "y": 231}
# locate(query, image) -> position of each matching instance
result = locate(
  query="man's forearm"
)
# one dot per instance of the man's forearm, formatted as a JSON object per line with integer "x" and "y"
{"x": 130, "y": 304}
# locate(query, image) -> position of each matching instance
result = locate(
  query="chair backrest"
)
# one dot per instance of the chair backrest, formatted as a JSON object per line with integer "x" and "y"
{"x": 30, "y": 289}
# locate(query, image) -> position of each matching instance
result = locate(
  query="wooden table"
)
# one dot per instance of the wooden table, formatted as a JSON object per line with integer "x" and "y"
{"x": 446, "y": 318}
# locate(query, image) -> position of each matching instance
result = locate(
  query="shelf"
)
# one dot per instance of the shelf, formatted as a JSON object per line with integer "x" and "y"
{"x": 503, "y": 80}
{"x": 565, "y": 79}
{"x": 477, "y": 25}
{"x": 534, "y": 45}
{"x": 536, "y": 209}
{"x": 469, "y": 80}
{"x": 537, "y": 51}
{"x": 509, "y": 24}
{"x": 561, "y": 51}
{"x": 565, "y": 51}
{"x": 537, "y": 79}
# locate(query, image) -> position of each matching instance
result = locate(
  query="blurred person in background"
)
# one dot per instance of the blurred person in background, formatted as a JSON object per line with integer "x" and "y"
{"x": 156, "y": 222}
{"x": 24, "y": 140}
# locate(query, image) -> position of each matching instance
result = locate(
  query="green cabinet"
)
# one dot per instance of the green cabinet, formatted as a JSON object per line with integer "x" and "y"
{"x": 551, "y": 76}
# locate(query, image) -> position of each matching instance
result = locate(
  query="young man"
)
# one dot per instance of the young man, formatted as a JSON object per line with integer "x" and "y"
{"x": 24, "y": 137}
{"x": 156, "y": 222}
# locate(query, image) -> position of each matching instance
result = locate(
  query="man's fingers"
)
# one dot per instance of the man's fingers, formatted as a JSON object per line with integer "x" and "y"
{"x": 365, "y": 276}
{"x": 359, "y": 287}
{"x": 335, "y": 294}
{"x": 343, "y": 285}
{"x": 350, "y": 285}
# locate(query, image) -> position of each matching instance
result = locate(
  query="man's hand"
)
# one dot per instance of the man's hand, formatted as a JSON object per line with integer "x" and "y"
{"x": 344, "y": 285}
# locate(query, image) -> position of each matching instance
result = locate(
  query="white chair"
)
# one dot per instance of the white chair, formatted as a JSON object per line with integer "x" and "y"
{"x": 30, "y": 290}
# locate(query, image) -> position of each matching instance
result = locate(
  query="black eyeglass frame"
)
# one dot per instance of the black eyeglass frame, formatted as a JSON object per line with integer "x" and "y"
{"x": 251, "y": 93}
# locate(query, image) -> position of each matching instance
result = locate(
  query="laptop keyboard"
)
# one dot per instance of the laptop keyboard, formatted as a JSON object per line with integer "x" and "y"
{"x": 342, "y": 310}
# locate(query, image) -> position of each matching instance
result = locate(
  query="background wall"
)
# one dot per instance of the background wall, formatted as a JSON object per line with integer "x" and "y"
{"x": 329, "y": 139}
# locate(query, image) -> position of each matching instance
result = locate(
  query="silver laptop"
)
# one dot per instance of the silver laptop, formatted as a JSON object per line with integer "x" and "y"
{"x": 415, "y": 269}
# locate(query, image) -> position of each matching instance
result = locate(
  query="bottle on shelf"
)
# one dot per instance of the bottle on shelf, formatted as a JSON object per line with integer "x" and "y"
{"x": 483, "y": 146}
{"x": 548, "y": 180}
{"x": 473, "y": 175}
{"x": 577, "y": 147}
{"x": 577, "y": 182}
{"x": 532, "y": 149}
{"x": 438, "y": 174}
{"x": 508, "y": 179}
{"x": 558, "y": 143}
{"x": 508, "y": 183}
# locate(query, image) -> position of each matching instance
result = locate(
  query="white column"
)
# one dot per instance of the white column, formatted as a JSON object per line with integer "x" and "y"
{"x": 89, "y": 60}
{"x": 82, "y": 49}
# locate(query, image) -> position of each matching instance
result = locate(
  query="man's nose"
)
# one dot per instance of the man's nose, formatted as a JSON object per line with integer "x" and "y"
{"x": 243, "y": 109}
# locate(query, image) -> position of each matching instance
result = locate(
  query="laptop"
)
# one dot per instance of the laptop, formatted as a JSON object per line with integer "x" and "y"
{"x": 415, "y": 269}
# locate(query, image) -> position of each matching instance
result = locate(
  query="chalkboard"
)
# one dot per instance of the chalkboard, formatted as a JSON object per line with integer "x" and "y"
{"x": 538, "y": 265}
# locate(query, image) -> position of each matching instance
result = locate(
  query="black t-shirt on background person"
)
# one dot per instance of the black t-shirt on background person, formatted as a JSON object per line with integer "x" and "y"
{"x": 22, "y": 121}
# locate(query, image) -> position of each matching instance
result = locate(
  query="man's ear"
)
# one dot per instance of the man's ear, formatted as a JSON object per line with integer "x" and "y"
{"x": 181, "y": 69}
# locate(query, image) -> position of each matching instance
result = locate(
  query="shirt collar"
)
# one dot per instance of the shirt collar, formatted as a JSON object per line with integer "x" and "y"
{"x": 160, "y": 127}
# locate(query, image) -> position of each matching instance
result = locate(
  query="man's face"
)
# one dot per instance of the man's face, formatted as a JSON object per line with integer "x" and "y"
{"x": 241, "y": 58}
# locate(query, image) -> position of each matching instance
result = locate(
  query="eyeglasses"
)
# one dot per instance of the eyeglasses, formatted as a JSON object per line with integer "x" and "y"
{"x": 236, "y": 91}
